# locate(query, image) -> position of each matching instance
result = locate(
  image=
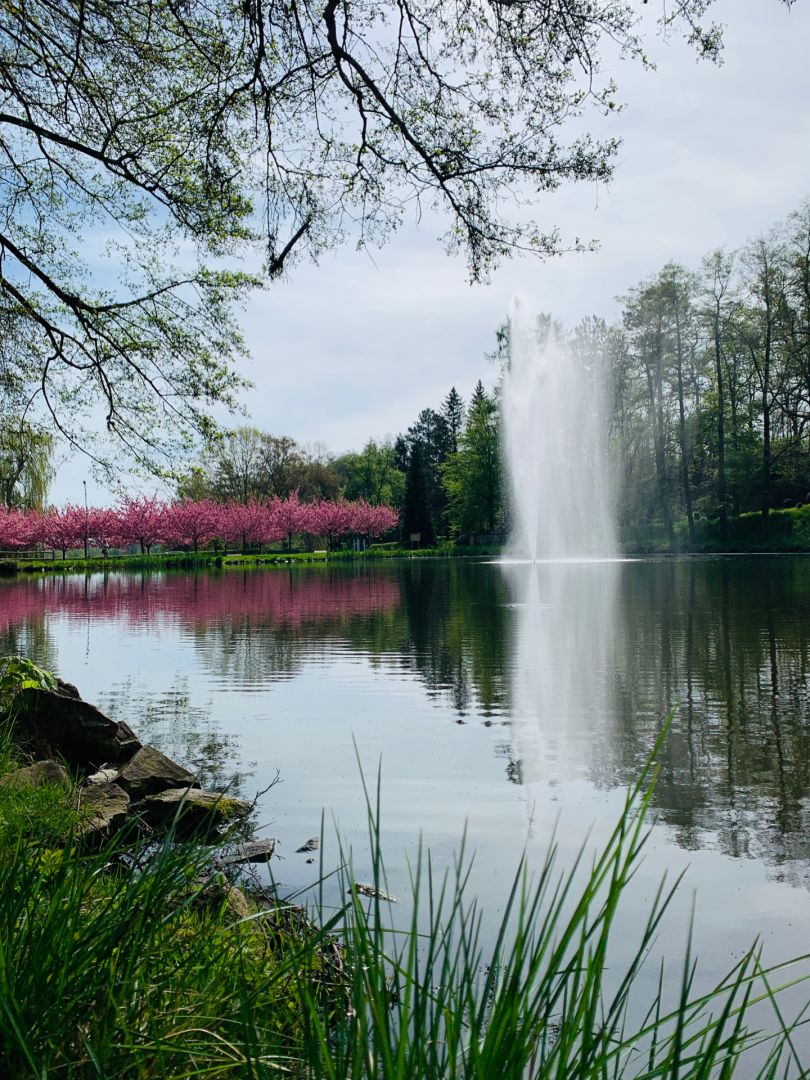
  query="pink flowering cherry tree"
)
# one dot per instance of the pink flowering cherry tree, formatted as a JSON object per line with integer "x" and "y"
{"x": 15, "y": 529}
{"x": 242, "y": 524}
{"x": 191, "y": 524}
{"x": 103, "y": 527}
{"x": 60, "y": 528}
{"x": 330, "y": 520}
{"x": 141, "y": 520}
{"x": 373, "y": 521}
{"x": 290, "y": 515}
{"x": 270, "y": 528}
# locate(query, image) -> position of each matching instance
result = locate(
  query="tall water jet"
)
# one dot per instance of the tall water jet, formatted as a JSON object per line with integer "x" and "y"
{"x": 555, "y": 437}
{"x": 556, "y": 445}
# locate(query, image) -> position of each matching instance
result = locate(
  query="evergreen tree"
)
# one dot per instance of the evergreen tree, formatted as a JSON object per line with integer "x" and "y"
{"x": 472, "y": 477}
{"x": 430, "y": 434}
{"x": 416, "y": 515}
{"x": 453, "y": 414}
{"x": 479, "y": 397}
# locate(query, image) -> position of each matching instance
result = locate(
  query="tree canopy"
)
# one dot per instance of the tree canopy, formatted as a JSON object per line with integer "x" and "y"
{"x": 145, "y": 145}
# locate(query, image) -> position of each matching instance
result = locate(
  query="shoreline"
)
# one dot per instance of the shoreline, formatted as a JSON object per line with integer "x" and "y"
{"x": 218, "y": 561}
{"x": 11, "y": 568}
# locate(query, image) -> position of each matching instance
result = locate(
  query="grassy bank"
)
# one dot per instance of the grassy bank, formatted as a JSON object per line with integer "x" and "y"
{"x": 76, "y": 564}
{"x": 133, "y": 962}
{"x": 786, "y": 531}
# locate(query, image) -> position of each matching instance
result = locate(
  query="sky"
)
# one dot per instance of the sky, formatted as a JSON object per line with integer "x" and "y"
{"x": 711, "y": 156}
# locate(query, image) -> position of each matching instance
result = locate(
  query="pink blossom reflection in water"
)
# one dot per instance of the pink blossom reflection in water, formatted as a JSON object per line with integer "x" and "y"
{"x": 273, "y": 597}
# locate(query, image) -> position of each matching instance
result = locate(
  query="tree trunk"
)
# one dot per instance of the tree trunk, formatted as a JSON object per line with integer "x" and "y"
{"x": 687, "y": 487}
{"x": 655, "y": 389}
{"x": 721, "y": 428}
{"x": 766, "y": 428}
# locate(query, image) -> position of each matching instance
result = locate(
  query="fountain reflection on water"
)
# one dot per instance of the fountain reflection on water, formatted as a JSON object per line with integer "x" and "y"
{"x": 562, "y": 561}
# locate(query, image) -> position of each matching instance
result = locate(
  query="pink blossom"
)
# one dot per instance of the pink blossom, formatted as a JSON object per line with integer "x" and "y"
{"x": 290, "y": 516}
{"x": 241, "y": 523}
{"x": 141, "y": 521}
{"x": 191, "y": 524}
{"x": 59, "y": 528}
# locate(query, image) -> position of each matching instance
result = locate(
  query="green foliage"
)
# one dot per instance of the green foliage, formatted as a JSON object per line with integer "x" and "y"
{"x": 710, "y": 392}
{"x": 17, "y": 673}
{"x": 143, "y": 972}
{"x": 246, "y": 463}
{"x": 43, "y": 816}
{"x": 26, "y": 463}
{"x": 372, "y": 474}
{"x": 417, "y": 516}
{"x": 472, "y": 477}
{"x": 183, "y": 134}
{"x": 785, "y": 530}
{"x": 453, "y": 412}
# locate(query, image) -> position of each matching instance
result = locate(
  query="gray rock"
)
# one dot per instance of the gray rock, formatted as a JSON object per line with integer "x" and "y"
{"x": 258, "y": 851}
{"x": 149, "y": 772}
{"x": 52, "y": 723}
{"x": 194, "y": 811}
{"x": 312, "y": 844}
{"x": 371, "y": 890}
{"x": 36, "y": 775}
{"x": 103, "y": 776}
{"x": 103, "y": 809}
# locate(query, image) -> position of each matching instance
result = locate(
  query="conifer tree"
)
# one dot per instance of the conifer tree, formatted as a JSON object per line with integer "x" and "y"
{"x": 416, "y": 515}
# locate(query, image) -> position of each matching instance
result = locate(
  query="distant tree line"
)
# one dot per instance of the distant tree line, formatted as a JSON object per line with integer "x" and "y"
{"x": 147, "y": 521}
{"x": 443, "y": 474}
{"x": 710, "y": 372}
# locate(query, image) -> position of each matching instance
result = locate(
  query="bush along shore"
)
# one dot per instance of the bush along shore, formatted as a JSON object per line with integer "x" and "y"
{"x": 128, "y": 950}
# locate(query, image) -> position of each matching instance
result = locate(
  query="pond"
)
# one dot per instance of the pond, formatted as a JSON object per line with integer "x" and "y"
{"x": 515, "y": 701}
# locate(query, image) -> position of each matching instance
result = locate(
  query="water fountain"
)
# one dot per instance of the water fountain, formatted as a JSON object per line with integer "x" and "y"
{"x": 561, "y": 564}
{"x": 554, "y": 436}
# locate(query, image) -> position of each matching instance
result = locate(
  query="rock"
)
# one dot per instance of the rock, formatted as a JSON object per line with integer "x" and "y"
{"x": 258, "y": 851}
{"x": 67, "y": 689}
{"x": 149, "y": 772}
{"x": 37, "y": 775}
{"x": 104, "y": 809}
{"x": 72, "y": 728}
{"x": 103, "y": 776}
{"x": 312, "y": 844}
{"x": 219, "y": 895}
{"x": 237, "y": 905}
{"x": 370, "y": 890}
{"x": 195, "y": 811}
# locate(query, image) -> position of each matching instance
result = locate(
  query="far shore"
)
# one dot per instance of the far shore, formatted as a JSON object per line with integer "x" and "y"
{"x": 210, "y": 560}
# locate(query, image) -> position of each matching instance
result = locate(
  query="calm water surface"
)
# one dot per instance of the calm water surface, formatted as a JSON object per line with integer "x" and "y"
{"x": 512, "y": 699}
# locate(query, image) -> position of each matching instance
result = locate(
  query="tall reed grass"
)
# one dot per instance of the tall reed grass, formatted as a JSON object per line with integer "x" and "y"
{"x": 131, "y": 962}
{"x": 428, "y": 1000}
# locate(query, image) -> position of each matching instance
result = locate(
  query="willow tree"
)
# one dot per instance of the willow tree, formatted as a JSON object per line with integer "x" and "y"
{"x": 147, "y": 147}
{"x": 26, "y": 465}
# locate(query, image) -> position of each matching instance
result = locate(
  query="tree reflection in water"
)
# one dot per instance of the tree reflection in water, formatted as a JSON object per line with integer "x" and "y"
{"x": 585, "y": 664}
